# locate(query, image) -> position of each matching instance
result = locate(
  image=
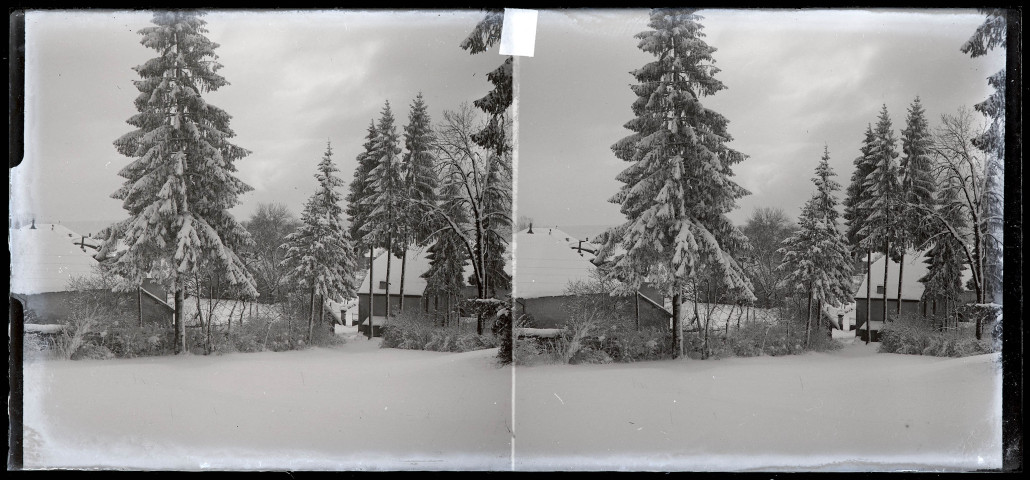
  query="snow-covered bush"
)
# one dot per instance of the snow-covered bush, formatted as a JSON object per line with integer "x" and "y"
{"x": 916, "y": 335}
{"x": 527, "y": 351}
{"x": 418, "y": 331}
{"x": 627, "y": 344}
{"x": 133, "y": 341}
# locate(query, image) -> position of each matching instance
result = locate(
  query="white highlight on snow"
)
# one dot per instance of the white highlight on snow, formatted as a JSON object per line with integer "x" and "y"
{"x": 518, "y": 32}
{"x": 559, "y": 399}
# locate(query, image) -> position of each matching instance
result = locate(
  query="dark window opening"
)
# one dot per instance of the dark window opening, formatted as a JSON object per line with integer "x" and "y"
{"x": 382, "y": 285}
{"x": 879, "y": 289}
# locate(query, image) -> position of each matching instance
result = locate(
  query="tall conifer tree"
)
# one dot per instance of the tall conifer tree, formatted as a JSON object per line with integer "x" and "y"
{"x": 181, "y": 182}
{"x": 917, "y": 185}
{"x": 319, "y": 255}
{"x": 420, "y": 181}
{"x": 384, "y": 227}
{"x": 358, "y": 209}
{"x": 678, "y": 189}
{"x": 817, "y": 255}
{"x": 856, "y": 202}
{"x": 945, "y": 262}
{"x": 882, "y": 227}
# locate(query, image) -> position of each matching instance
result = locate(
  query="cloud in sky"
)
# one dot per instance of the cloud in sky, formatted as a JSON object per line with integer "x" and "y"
{"x": 296, "y": 80}
{"x": 796, "y": 80}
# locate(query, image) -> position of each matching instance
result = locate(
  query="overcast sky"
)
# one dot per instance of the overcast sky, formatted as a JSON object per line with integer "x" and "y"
{"x": 297, "y": 79}
{"x": 796, "y": 80}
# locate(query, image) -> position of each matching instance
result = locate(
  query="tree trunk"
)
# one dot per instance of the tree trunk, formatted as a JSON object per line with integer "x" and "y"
{"x": 180, "y": 329}
{"x": 311, "y": 316}
{"x": 389, "y": 258}
{"x": 819, "y": 316}
{"x": 808, "y": 319}
{"x": 636, "y": 309}
{"x": 886, "y": 266}
{"x": 139, "y": 305}
{"x": 677, "y": 325}
{"x": 901, "y": 269}
{"x": 400, "y": 298}
{"x": 200, "y": 313}
{"x": 371, "y": 289}
{"x": 868, "y": 296}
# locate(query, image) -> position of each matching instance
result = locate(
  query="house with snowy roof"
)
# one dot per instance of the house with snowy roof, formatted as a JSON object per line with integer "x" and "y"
{"x": 415, "y": 298}
{"x": 46, "y": 258}
{"x": 547, "y": 263}
{"x": 914, "y": 268}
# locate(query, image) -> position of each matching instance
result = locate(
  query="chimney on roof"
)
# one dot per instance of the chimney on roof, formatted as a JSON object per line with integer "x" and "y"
{"x": 530, "y": 229}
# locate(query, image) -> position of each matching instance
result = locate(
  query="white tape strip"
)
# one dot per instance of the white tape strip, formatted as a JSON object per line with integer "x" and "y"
{"x": 518, "y": 32}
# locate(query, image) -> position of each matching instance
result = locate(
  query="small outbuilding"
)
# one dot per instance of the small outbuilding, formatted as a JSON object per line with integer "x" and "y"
{"x": 46, "y": 258}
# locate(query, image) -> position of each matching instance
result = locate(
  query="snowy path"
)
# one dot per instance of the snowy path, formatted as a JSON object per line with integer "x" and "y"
{"x": 351, "y": 407}
{"x": 852, "y": 409}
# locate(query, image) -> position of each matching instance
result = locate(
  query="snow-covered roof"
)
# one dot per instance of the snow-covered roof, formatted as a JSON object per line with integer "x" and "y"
{"x": 414, "y": 284}
{"x": 545, "y": 264}
{"x": 911, "y": 287}
{"x": 46, "y": 258}
{"x": 417, "y": 264}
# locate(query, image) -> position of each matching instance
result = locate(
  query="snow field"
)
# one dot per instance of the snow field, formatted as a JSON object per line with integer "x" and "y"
{"x": 352, "y": 407}
{"x": 852, "y": 409}
{"x": 357, "y": 406}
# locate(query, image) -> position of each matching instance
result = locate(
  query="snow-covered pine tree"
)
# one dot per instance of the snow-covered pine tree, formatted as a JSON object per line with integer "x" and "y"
{"x": 836, "y": 268}
{"x": 988, "y": 36}
{"x": 447, "y": 255}
{"x": 678, "y": 189}
{"x": 384, "y": 226}
{"x": 422, "y": 177}
{"x": 319, "y": 255}
{"x": 358, "y": 209}
{"x": 817, "y": 255}
{"x": 496, "y": 135}
{"x": 882, "y": 229}
{"x": 945, "y": 261}
{"x": 799, "y": 262}
{"x": 180, "y": 184}
{"x": 420, "y": 181}
{"x": 856, "y": 199}
{"x": 917, "y": 185}
{"x": 497, "y": 223}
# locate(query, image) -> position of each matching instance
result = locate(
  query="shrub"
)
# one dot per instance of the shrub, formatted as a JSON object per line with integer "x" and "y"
{"x": 915, "y": 335}
{"x": 626, "y": 344}
{"x": 418, "y": 331}
{"x": 527, "y": 351}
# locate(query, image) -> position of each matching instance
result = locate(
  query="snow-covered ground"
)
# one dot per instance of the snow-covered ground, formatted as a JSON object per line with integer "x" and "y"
{"x": 852, "y": 409}
{"x": 361, "y": 407}
{"x": 352, "y": 407}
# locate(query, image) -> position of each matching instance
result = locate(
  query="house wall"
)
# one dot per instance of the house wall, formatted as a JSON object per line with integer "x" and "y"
{"x": 57, "y": 307}
{"x": 412, "y": 303}
{"x": 907, "y": 306}
{"x": 549, "y": 312}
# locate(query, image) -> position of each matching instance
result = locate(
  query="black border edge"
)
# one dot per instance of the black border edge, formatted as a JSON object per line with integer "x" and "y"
{"x": 1012, "y": 338}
